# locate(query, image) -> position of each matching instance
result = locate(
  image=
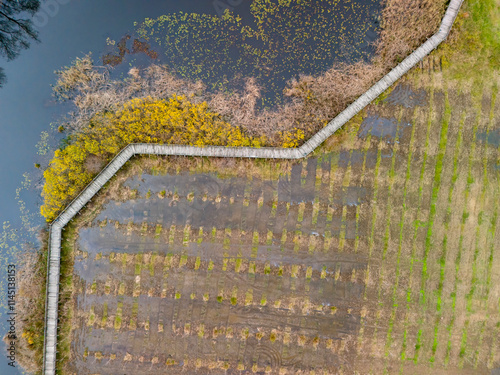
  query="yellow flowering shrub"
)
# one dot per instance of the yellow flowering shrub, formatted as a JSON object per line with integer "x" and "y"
{"x": 173, "y": 121}
{"x": 291, "y": 139}
{"x": 29, "y": 336}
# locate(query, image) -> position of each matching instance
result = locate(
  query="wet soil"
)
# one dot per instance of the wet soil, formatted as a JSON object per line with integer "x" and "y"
{"x": 376, "y": 258}
{"x": 236, "y": 257}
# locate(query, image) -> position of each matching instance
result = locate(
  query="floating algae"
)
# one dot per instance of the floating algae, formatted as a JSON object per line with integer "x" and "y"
{"x": 286, "y": 39}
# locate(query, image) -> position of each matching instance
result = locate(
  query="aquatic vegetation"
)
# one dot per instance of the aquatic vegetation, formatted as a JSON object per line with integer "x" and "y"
{"x": 290, "y": 56}
{"x": 91, "y": 89}
{"x": 114, "y": 59}
{"x": 283, "y": 40}
{"x": 176, "y": 121}
{"x": 299, "y": 63}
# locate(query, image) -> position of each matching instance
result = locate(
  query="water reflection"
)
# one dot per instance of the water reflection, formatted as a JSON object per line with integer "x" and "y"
{"x": 16, "y": 30}
{"x": 381, "y": 127}
{"x": 67, "y": 29}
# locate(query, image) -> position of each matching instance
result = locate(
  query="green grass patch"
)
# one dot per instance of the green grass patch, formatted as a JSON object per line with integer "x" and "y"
{"x": 458, "y": 259}
{"x": 400, "y": 243}
{"x": 375, "y": 196}
{"x": 475, "y": 51}
{"x": 413, "y": 260}
{"x": 444, "y": 246}
{"x": 104, "y": 318}
{"x": 436, "y": 185}
{"x": 118, "y": 316}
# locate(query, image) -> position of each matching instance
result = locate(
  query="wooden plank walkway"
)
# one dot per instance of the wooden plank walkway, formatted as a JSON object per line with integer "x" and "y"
{"x": 53, "y": 271}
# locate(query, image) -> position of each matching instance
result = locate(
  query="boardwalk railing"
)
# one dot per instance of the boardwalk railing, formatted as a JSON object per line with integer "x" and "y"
{"x": 53, "y": 268}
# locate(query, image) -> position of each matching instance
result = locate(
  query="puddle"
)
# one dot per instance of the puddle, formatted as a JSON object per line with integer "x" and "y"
{"x": 492, "y": 138}
{"x": 353, "y": 195}
{"x": 276, "y": 255}
{"x": 493, "y": 167}
{"x": 354, "y": 157}
{"x": 183, "y": 183}
{"x": 87, "y": 269}
{"x": 405, "y": 96}
{"x": 292, "y": 189}
{"x": 381, "y": 127}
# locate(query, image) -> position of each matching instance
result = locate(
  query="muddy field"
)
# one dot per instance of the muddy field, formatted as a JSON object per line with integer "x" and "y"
{"x": 381, "y": 257}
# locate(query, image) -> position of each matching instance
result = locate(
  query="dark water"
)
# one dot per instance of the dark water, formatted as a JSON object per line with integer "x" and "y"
{"x": 272, "y": 43}
{"x": 68, "y": 29}
{"x": 205, "y": 200}
{"x": 71, "y": 28}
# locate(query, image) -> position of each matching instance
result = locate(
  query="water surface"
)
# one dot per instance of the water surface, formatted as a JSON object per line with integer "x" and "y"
{"x": 72, "y": 28}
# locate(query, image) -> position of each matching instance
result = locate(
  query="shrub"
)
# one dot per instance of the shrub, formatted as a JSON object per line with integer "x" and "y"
{"x": 175, "y": 121}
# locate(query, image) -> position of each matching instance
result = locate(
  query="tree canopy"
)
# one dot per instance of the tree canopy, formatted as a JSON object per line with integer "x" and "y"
{"x": 16, "y": 28}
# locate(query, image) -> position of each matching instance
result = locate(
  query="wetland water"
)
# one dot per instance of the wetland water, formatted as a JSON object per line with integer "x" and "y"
{"x": 200, "y": 271}
{"x": 319, "y": 266}
{"x": 203, "y": 273}
{"x": 272, "y": 42}
{"x": 69, "y": 29}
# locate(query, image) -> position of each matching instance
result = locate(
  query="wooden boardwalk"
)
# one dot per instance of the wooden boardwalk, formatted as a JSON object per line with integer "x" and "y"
{"x": 53, "y": 271}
